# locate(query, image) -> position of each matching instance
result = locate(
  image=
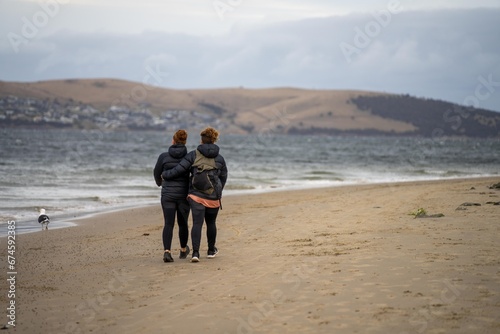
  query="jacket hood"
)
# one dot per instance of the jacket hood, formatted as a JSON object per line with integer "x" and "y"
{"x": 209, "y": 150}
{"x": 177, "y": 151}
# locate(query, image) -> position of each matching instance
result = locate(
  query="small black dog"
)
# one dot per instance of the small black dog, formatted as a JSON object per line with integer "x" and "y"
{"x": 44, "y": 220}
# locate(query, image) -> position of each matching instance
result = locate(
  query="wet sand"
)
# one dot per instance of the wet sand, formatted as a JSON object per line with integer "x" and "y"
{"x": 335, "y": 260}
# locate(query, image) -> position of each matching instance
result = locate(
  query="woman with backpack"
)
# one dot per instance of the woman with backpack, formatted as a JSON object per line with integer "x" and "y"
{"x": 173, "y": 196}
{"x": 208, "y": 175}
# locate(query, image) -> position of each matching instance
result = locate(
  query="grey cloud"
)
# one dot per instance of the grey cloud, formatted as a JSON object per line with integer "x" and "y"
{"x": 435, "y": 54}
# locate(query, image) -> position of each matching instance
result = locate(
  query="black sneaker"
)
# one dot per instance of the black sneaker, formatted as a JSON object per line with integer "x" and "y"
{"x": 167, "y": 257}
{"x": 195, "y": 257}
{"x": 211, "y": 253}
{"x": 184, "y": 255}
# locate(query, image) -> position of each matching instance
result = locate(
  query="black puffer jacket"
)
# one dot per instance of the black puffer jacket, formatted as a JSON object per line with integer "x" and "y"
{"x": 185, "y": 166}
{"x": 175, "y": 188}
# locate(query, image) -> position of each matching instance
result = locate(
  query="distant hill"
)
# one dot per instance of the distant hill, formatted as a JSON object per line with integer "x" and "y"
{"x": 118, "y": 104}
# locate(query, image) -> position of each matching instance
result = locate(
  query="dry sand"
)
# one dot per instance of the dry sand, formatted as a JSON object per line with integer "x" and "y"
{"x": 338, "y": 260}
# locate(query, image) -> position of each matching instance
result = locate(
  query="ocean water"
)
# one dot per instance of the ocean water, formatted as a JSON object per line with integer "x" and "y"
{"x": 74, "y": 172}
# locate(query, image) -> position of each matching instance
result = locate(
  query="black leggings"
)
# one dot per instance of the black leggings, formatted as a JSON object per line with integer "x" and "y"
{"x": 170, "y": 208}
{"x": 200, "y": 214}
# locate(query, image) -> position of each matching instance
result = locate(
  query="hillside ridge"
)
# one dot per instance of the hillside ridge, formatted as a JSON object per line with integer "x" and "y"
{"x": 119, "y": 104}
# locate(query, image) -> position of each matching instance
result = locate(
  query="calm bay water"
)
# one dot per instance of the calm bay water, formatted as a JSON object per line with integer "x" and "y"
{"x": 72, "y": 172}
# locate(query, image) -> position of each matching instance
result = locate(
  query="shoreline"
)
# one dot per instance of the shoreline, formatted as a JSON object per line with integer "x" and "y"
{"x": 65, "y": 220}
{"x": 342, "y": 259}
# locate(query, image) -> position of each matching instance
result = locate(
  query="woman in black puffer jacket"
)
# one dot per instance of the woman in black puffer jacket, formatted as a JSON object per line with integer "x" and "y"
{"x": 173, "y": 196}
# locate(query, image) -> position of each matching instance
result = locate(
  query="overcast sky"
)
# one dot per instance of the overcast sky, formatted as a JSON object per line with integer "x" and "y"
{"x": 436, "y": 49}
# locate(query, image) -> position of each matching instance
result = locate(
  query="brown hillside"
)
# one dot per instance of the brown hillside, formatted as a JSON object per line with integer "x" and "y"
{"x": 277, "y": 109}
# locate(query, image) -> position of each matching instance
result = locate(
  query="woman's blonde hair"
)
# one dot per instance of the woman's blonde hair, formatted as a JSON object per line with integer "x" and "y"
{"x": 180, "y": 137}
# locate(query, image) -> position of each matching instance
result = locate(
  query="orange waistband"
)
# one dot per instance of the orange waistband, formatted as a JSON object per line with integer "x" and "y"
{"x": 209, "y": 203}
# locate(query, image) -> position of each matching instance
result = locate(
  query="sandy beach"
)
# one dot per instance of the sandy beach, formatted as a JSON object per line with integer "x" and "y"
{"x": 335, "y": 260}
